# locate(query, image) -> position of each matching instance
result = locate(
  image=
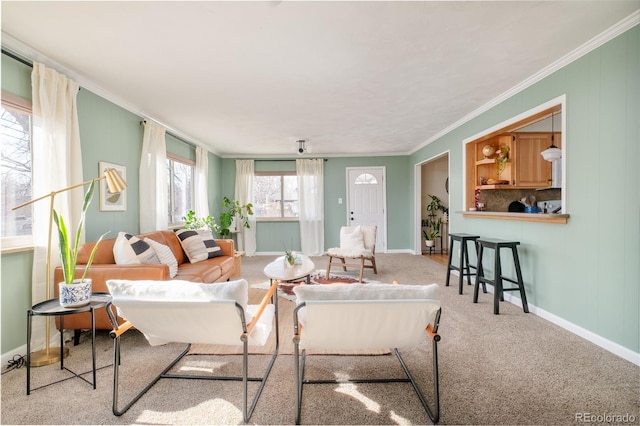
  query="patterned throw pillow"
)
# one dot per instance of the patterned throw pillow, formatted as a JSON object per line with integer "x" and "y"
{"x": 165, "y": 255}
{"x": 129, "y": 249}
{"x": 199, "y": 244}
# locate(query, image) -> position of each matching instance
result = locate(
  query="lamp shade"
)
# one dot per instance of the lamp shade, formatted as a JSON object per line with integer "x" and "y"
{"x": 552, "y": 153}
{"x": 115, "y": 183}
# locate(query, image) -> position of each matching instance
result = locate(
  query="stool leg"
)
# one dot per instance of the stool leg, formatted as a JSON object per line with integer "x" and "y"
{"x": 463, "y": 255}
{"x": 484, "y": 285}
{"x": 516, "y": 259}
{"x": 479, "y": 273}
{"x": 450, "y": 258}
{"x": 497, "y": 291}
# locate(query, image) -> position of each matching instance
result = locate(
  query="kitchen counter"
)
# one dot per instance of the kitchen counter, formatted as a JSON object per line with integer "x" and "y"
{"x": 525, "y": 217}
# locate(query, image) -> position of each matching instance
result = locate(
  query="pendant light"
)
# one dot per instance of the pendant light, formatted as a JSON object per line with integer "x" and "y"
{"x": 553, "y": 152}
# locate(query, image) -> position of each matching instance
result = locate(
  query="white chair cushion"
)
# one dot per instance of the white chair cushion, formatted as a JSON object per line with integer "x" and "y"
{"x": 373, "y": 291}
{"x": 183, "y": 311}
{"x": 365, "y": 316}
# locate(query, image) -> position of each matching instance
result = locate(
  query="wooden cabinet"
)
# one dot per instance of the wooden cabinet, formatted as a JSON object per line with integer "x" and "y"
{"x": 531, "y": 170}
{"x": 524, "y": 168}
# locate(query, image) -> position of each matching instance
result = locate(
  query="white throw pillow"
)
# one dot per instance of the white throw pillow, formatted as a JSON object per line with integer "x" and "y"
{"x": 199, "y": 244}
{"x": 129, "y": 249}
{"x": 165, "y": 255}
{"x": 351, "y": 238}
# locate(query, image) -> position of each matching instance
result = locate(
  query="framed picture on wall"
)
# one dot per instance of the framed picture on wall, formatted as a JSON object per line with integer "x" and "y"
{"x": 108, "y": 200}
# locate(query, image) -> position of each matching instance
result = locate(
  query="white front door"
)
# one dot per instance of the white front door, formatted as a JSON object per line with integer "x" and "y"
{"x": 366, "y": 201}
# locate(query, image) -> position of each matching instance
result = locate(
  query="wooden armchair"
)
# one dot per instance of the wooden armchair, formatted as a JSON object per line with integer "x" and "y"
{"x": 358, "y": 244}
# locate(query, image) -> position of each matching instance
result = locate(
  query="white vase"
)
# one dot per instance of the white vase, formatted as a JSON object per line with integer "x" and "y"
{"x": 76, "y": 294}
{"x": 430, "y": 243}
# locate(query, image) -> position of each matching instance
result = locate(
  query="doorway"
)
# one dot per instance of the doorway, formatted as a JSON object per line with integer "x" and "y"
{"x": 366, "y": 201}
{"x": 431, "y": 178}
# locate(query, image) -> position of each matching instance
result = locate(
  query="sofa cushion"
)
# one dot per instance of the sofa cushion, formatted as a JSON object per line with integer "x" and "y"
{"x": 199, "y": 244}
{"x": 129, "y": 249}
{"x": 204, "y": 272}
{"x": 165, "y": 255}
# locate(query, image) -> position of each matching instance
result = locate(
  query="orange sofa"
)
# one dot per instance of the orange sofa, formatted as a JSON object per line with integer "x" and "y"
{"x": 104, "y": 267}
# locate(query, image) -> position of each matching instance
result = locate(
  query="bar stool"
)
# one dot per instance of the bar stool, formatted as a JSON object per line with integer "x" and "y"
{"x": 497, "y": 280}
{"x": 464, "y": 266}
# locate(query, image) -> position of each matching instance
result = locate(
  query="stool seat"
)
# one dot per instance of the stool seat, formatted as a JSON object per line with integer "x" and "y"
{"x": 498, "y": 278}
{"x": 463, "y": 265}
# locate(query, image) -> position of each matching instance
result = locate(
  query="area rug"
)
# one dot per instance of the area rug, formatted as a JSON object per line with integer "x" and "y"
{"x": 285, "y": 327}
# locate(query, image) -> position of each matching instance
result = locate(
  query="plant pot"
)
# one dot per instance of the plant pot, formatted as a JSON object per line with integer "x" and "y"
{"x": 76, "y": 294}
{"x": 430, "y": 243}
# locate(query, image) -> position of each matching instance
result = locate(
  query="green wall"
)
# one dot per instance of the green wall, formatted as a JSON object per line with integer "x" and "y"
{"x": 586, "y": 272}
{"x": 269, "y": 235}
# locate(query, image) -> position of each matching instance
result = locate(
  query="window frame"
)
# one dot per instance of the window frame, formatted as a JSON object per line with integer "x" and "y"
{"x": 13, "y": 102}
{"x": 174, "y": 158}
{"x": 281, "y": 218}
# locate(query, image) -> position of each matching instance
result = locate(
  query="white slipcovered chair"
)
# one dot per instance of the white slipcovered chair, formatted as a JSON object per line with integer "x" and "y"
{"x": 187, "y": 312}
{"x": 348, "y": 317}
{"x": 356, "y": 243}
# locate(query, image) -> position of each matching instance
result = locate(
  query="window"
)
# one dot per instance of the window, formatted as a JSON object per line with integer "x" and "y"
{"x": 180, "y": 181}
{"x": 276, "y": 195}
{"x": 15, "y": 151}
{"x": 366, "y": 179}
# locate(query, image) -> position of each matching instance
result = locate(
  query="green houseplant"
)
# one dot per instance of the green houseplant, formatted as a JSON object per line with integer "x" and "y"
{"x": 232, "y": 211}
{"x": 74, "y": 292}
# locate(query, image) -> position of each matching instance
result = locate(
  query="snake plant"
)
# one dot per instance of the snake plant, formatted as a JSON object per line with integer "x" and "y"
{"x": 69, "y": 250}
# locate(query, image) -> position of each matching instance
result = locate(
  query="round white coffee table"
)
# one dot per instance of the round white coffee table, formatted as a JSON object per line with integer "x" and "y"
{"x": 279, "y": 270}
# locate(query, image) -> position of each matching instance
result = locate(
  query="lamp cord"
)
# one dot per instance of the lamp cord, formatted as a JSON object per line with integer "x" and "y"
{"x": 18, "y": 361}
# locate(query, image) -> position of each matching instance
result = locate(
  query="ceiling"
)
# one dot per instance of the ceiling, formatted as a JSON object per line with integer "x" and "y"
{"x": 352, "y": 78}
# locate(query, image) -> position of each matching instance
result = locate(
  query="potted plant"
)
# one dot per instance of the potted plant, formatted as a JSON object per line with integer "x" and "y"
{"x": 74, "y": 292}
{"x": 231, "y": 213}
{"x": 193, "y": 222}
{"x": 501, "y": 159}
{"x": 432, "y": 232}
{"x": 289, "y": 258}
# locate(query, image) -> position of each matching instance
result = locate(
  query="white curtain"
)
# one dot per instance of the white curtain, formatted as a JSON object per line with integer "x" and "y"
{"x": 311, "y": 199}
{"x": 57, "y": 164}
{"x": 201, "y": 202}
{"x": 244, "y": 194}
{"x": 154, "y": 204}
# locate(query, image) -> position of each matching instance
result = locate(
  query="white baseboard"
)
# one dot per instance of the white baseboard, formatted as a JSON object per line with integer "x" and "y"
{"x": 613, "y": 347}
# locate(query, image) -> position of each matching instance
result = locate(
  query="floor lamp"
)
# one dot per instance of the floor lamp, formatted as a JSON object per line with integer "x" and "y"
{"x": 116, "y": 184}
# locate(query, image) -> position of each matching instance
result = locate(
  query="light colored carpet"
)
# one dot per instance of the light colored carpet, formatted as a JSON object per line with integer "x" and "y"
{"x": 507, "y": 369}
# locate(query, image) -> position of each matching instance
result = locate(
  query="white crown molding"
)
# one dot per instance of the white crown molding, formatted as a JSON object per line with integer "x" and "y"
{"x": 20, "y": 49}
{"x": 607, "y": 35}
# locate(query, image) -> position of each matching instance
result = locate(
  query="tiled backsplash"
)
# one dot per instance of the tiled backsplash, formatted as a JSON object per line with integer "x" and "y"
{"x": 498, "y": 200}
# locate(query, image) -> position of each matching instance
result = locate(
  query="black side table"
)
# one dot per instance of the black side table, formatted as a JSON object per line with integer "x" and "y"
{"x": 52, "y": 307}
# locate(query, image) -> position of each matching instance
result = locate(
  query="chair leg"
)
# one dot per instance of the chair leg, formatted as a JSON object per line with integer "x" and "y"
{"x": 329, "y": 267}
{"x": 344, "y": 265}
{"x": 373, "y": 262}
